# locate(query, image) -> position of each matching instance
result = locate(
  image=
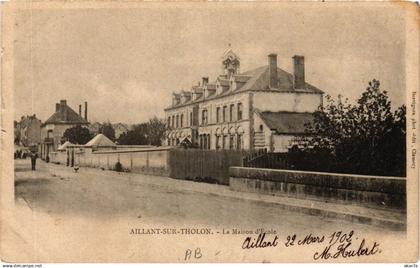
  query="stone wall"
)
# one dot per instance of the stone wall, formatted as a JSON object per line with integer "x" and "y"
{"x": 152, "y": 161}
{"x": 368, "y": 191}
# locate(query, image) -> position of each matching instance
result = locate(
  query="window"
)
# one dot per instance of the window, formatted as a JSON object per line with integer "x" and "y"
{"x": 261, "y": 128}
{"x": 208, "y": 142}
{"x": 217, "y": 142}
{"x": 224, "y": 113}
{"x": 173, "y": 121}
{"x": 169, "y": 122}
{"x": 231, "y": 142}
{"x": 232, "y": 106}
{"x": 204, "y": 141}
{"x": 177, "y": 121}
{"x": 204, "y": 117}
{"x": 224, "y": 145}
{"x": 239, "y": 142}
{"x": 191, "y": 119}
{"x": 182, "y": 120}
{"x": 239, "y": 111}
{"x": 217, "y": 114}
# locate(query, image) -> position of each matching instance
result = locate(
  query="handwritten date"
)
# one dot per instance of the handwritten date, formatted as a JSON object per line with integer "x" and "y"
{"x": 338, "y": 244}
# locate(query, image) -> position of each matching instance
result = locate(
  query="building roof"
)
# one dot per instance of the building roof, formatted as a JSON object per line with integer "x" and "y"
{"x": 286, "y": 122}
{"x": 66, "y": 115}
{"x": 64, "y": 146}
{"x": 256, "y": 80}
{"x": 100, "y": 140}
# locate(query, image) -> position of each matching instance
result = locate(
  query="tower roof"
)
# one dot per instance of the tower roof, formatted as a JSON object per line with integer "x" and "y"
{"x": 229, "y": 54}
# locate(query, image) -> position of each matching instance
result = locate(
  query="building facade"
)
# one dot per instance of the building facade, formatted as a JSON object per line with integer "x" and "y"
{"x": 29, "y": 130}
{"x": 264, "y": 108}
{"x": 53, "y": 129}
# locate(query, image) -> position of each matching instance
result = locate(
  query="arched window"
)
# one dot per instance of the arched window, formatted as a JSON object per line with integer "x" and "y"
{"x": 239, "y": 142}
{"x": 217, "y": 142}
{"x": 231, "y": 142}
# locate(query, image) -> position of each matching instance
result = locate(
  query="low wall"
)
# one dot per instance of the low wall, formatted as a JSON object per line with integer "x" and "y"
{"x": 146, "y": 161}
{"x": 369, "y": 191}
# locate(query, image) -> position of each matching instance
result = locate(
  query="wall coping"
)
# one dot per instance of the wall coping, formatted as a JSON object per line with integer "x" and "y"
{"x": 394, "y": 185}
{"x": 323, "y": 173}
{"x": 163, "y": 148}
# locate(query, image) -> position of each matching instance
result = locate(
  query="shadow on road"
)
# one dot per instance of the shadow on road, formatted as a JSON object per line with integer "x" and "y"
{"x": 31, "y": 182}
{"x": 22, "y": 169}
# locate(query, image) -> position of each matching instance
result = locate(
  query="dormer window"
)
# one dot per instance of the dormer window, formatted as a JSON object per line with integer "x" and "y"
{"x": 218, "y": 88}
{"x": 176, "y": 99}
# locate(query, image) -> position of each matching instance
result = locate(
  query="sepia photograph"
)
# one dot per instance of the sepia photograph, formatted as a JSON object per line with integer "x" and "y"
{"x": 259, "y": 132}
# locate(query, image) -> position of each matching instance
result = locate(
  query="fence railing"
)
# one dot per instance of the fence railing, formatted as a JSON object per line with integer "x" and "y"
{"x": 264, "y": 159}
{"x": 204, "y": 165}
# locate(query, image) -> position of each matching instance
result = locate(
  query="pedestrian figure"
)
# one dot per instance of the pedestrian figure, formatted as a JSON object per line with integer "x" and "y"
{"x": 34, "y": 156}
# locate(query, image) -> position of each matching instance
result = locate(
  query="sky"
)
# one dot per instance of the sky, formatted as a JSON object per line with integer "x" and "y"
{"x": 127, "y": 62}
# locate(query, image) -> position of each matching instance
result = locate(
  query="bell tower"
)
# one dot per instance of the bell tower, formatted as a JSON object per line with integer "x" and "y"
{"x": 230, "y": 63}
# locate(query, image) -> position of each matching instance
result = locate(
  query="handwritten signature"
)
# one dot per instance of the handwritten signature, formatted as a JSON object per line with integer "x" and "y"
{"x": 259, "y": 242}
{"x": 338, "y": 244}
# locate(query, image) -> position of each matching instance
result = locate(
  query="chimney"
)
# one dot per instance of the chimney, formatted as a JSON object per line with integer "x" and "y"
{"x": 63, "y": 103}
{"x": 80, "y": 110}
{"x": 86, "y": 111}
{"x": 272, "y": 69}
{"x": 205, "y": 81}
{"x": 299, "y": 72}
{"x": 57, "y": 107}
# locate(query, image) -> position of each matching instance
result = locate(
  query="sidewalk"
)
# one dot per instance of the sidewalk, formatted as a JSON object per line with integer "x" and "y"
{"x": 376, "y": 217}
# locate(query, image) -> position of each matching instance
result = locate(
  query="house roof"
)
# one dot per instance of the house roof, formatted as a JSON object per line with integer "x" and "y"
{"x": 100, "y": 140}
{"x": 286, "y": 122}
{"x": 257, "y": 80}
{"x": 64, "y": 145}
{"x": 65, "y": 115}
{"x": 260, "y": 77}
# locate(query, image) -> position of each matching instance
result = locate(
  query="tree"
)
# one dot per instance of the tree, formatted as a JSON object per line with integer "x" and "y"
{"x": 77, "y": 135}
{"x": 155, "y": 131}
{"x": 108, "y": 130}
{"x": 136, "y": 136}
{"x": 365, "y": 138}
{"x": 150, "y": 133}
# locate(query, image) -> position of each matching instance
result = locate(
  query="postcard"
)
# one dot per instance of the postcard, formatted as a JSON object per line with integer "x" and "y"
{"x": 209, "y": 132}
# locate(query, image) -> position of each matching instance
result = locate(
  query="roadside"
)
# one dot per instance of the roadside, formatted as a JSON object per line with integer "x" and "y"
{"x": 64, "y": 215}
